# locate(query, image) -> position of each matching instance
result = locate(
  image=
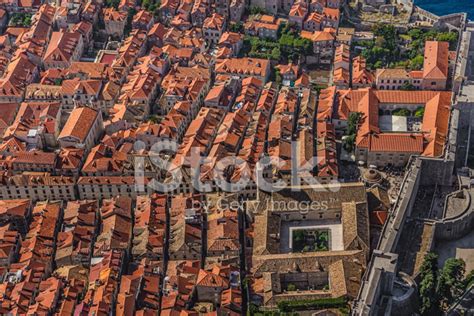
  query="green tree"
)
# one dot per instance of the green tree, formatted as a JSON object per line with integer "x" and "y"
{"x": 286, "y": 40}
{"x": 145, "y": 4}
{"x": 302, "y": 45}
{"x": 257, "y": 10}
{"x": 416, "y": 63}
{"x": 21, "y": 19}
{"x": 323, "y": 236}
{"x": 376, "y": 56}
{"x": 451, "y": 37}
{"x": 401, "y": 112}
{"x": 349, "y": 143}
{"x": 385, "y": 30}
{"x": 252, "y": 309}
{"x": 278, "y": 78}
{"x": 401, "y": 64}
{"x": 429, "y": 300}
{"x": 112, "y": 3}
{"x": 420, "y": 112}
{"x": 291, "y": 287}
{"x": 428, "y": 274}
{"x": 438, "y": 289}
{"x": 415, "y": 33}
{"x": 286, "y": 28}
{"x": 298, "y": 235}
{"x": 323, "y": 247}
{"x": 237, "y": 27}
{"x": 429, "y": 265}
{"x": 353, "y": 122}
{"x": 128, "y": 26}
{"x": 27, "y": 20}
{"x": 378, "y": 64}
{"x": 450, "y": 282}
{"x": 275, "y": 53}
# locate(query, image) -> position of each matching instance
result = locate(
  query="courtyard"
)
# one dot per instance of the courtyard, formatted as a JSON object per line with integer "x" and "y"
{"x": 398, "y": 123}
{"x": 311, "y": 236}
{"x": 306, "y": 240}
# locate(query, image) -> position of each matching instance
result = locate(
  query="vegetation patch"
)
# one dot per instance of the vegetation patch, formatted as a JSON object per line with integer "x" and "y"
{"x": 401, "y": 112}
{"x": 419, "y": 112}
{"x": 291, "y": 287}
{"x": 20, "y": 19}
{"x": 112, "y": 3}
{"x": 151, "y": 6}
{"x": 309, "y": 240}
{"x": 296, "y": 305}
{"x": 289, "y": 46}
{"x": 254, "y": 10}
{"x": 128, "y": 27}
{"x": 440, "y": 288}
{"x": 351, "y": 133}
{"x": 391, "y": 49}
{"x": 261, "y": 48}
{"x": 236, "y": 27}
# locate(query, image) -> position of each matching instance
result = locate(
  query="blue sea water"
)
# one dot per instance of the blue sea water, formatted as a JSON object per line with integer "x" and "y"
{"x": 442, "y": 7}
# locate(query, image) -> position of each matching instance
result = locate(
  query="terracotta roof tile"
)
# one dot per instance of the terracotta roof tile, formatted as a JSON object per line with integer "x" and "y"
{"x": 79, "y": 123}
{"x": 436, "y": 60}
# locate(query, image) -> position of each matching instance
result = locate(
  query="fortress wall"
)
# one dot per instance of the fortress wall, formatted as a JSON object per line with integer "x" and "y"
{"x": 457, "y": 226}
{"x": 436, "y": 171}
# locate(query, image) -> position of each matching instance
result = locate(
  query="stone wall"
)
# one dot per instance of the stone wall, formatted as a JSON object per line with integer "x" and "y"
{"x": 375, "y": 295}
{"x": 455, "y": 20}
{"x": 404, "y": 304}
{"x": 461, "y": 224}
{"x": 402, "y": 208}
{"x": 436, "y": 171}
{"x": 407, "y": 4}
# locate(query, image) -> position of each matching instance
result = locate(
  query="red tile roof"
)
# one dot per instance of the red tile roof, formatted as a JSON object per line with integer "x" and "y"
{"x": 62, "y": 46}
{"x": 437, "y": 106}
{"x": 79, "y": 123}
{"x": 393, "y": 142}
{"x": 436, "y": 60}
